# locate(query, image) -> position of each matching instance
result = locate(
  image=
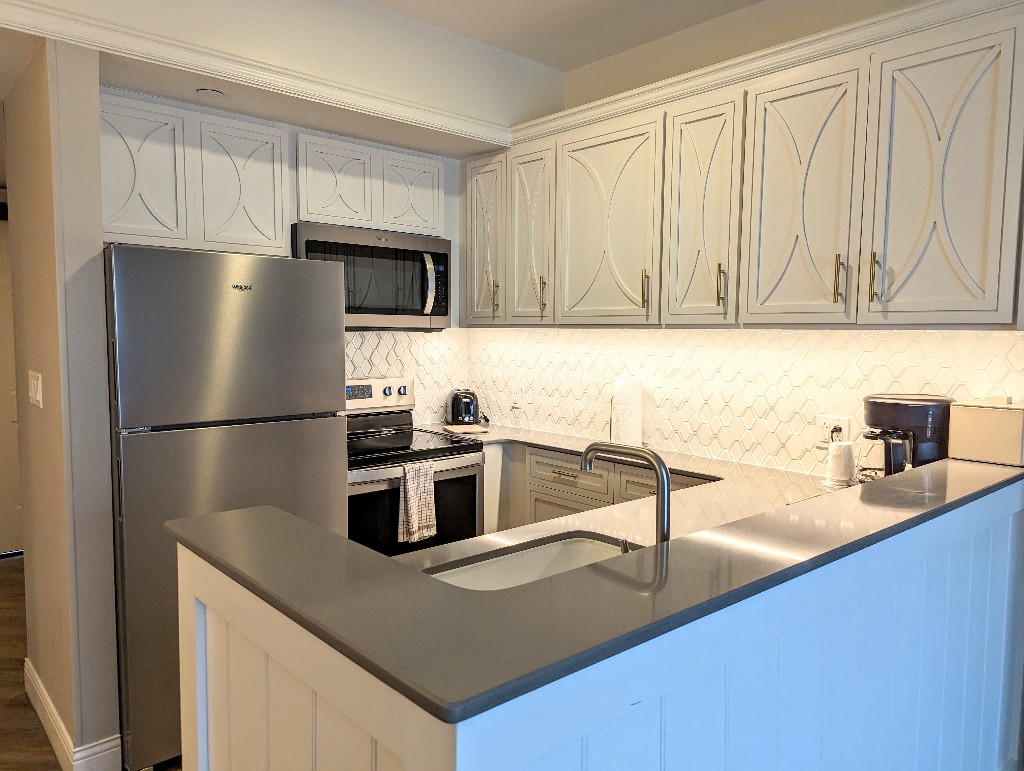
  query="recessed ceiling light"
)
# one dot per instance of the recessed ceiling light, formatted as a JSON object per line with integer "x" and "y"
{"x": 210, "y": 92}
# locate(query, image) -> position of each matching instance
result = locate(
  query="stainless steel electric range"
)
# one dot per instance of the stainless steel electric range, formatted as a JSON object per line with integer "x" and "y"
{"x": 381, "y": 440}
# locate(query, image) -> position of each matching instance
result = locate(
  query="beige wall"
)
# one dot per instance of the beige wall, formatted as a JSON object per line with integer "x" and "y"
{"x": 754, "y": 28}
{"x": 10, "y": 468}
{"x": 53, "y": 178}
{"x": 346, "y": 42}
{"x": 33, "y": 250}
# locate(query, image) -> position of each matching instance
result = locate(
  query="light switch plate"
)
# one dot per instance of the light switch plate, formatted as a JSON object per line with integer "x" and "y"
{"x": 35, "y": 389}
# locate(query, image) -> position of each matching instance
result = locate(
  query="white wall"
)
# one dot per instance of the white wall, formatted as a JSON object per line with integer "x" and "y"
{"x": 754, "y": 28}
{"x": 345, "y": 43}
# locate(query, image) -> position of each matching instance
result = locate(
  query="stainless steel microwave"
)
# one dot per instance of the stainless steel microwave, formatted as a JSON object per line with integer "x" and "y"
{"x": 392, "y": 280}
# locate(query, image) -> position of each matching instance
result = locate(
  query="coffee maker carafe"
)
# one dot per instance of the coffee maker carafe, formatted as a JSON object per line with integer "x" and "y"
{"x": 905, "y": 428}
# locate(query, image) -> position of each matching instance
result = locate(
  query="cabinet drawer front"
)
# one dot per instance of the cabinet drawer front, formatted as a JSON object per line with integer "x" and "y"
{"x": 545, "y": 505}
{"x": 561, "y": 471}
{"x": 637, "y": 483}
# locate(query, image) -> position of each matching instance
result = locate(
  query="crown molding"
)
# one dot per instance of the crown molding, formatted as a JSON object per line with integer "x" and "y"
{"x": 36, "y": 19}
{"x": 850, "y": 38}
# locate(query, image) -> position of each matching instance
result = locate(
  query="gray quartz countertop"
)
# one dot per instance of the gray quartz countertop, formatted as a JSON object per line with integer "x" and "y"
{"x": 457, "y": 652}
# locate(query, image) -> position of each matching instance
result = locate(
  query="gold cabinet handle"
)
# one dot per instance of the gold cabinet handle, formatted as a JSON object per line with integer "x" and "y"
{"x": 719, "y": 282}
{"x": 872, "y": 294}
{"x": 836, "y": 294}
{"x": 542, "y": 286}
{"x": 494, "y": 296}
{"x": 644, "y": 291}
{"x": 568, "y": 474}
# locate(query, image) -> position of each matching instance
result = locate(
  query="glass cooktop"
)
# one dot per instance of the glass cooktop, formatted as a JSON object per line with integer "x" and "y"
{"x": 394, "y": 446}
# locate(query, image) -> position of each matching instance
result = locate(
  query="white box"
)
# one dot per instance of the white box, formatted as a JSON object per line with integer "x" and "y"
{"x": 992, "y": 433}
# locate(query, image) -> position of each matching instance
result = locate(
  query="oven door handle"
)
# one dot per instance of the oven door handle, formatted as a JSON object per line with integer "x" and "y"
{"x": 379, "y": 486}
{"x": 428, "y": 305}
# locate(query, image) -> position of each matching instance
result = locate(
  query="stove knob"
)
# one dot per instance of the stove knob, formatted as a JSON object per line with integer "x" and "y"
{"x": 387, "y": 390}
{"x": 402, "y": 390}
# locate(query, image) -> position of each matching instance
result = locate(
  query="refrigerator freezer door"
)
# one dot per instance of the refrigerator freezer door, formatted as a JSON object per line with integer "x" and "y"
{"x": 297, "y": 465}
{"x": 207, "y": 338}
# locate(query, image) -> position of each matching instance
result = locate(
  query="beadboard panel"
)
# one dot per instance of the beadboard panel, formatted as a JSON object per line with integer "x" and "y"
{"x": 904, "y": 655}
{"x": 261, "y": 692}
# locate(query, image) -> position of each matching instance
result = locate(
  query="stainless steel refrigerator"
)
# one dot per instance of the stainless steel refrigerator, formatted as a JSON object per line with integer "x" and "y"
{"x": 227, "y": 386}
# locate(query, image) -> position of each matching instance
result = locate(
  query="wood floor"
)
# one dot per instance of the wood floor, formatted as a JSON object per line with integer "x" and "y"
{"x": 23, "y": 743}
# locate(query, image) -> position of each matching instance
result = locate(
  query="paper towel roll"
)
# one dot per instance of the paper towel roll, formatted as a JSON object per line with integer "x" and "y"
{"x": 628, "y": 412}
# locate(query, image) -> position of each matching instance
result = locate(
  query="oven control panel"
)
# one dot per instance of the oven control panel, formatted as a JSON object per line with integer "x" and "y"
{"x": 380, "y": 394}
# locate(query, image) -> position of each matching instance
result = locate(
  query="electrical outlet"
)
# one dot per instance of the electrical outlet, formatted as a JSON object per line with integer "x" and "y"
{"x": 832, "y": 428}
{"x": 35, "y": 389}
{"x": 517, "y": 396}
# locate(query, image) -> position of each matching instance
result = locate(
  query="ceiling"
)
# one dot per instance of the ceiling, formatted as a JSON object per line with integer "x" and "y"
{"x": 564, "y": 34}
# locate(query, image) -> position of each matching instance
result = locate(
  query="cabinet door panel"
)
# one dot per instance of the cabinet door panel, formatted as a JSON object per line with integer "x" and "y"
{"x": 945, "y": 212}
{"x": 485, "y": 243}
{"x": 702, "y": 223}
{"x": 412, "y": 194}
{"x": 531, "y": 237}
{"x": 335, "y": 182}
{"x": 804, "y": 197}
{"x": 142, "y": 151}
{"x": 243, "y": 186}
{"x": 609, "y": 234}
{"x": 545, "y": 505}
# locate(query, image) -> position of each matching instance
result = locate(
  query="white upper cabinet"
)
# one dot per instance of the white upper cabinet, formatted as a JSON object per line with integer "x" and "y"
{"x": 413, "y": 193}
{"x": 243, "y": 196}
{"x": 529, "y": 274}
{"x": 609, "y": 220}
{"x": 703, "y": 172}
{"x": 143, "y": 172}
{"x": 348, "y": 183}
{"x": 335, "y": 182}
{"x": 803, "y": 199}
{"x": 174, "y": 177}
{"x": 485, "y": 239}
{"x": 945, "y": 160}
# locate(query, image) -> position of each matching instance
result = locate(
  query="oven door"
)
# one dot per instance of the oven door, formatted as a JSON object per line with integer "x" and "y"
{"x": 373, "y": 497}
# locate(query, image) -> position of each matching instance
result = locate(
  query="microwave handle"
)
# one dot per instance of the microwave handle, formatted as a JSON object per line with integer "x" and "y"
{"x": 428, "y": 306}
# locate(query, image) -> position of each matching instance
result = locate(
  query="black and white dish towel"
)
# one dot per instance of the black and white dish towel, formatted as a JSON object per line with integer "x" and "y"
{"x": 416, "y": 520}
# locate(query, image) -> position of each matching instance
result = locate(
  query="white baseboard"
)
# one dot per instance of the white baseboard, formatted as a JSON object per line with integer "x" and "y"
{"x": 104, "y": 755}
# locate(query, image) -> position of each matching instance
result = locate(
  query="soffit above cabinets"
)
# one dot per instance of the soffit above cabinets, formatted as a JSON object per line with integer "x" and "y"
{"x": 180, "y": 85}
{"x": 16, "y": 48}
{"x": 564, "y": 34}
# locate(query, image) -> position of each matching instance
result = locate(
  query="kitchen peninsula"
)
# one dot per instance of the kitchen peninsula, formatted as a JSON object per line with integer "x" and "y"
{"x": 831, "y": 632}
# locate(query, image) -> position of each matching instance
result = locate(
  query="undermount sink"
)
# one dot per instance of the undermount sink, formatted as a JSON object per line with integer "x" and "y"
{"x": 530, "y": 561}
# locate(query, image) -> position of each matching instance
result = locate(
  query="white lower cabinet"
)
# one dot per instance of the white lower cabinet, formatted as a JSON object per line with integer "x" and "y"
{"x": 609, "y": 221}
{"x": 803, "y": 200}
{"x": 945, "y": 155}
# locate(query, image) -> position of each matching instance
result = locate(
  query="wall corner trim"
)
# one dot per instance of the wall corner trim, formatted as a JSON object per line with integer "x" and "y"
{"x": 103, "y": 755}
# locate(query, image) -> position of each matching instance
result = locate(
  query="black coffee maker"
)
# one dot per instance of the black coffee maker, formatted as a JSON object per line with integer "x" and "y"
{"x": 912, "y": 427}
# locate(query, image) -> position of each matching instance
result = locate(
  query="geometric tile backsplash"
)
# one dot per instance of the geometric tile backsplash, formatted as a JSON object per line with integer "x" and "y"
{"x": 735, "y": 394}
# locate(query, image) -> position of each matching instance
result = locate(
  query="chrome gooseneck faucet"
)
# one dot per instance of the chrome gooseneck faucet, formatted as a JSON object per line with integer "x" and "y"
{"x": 609, "y": 451}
